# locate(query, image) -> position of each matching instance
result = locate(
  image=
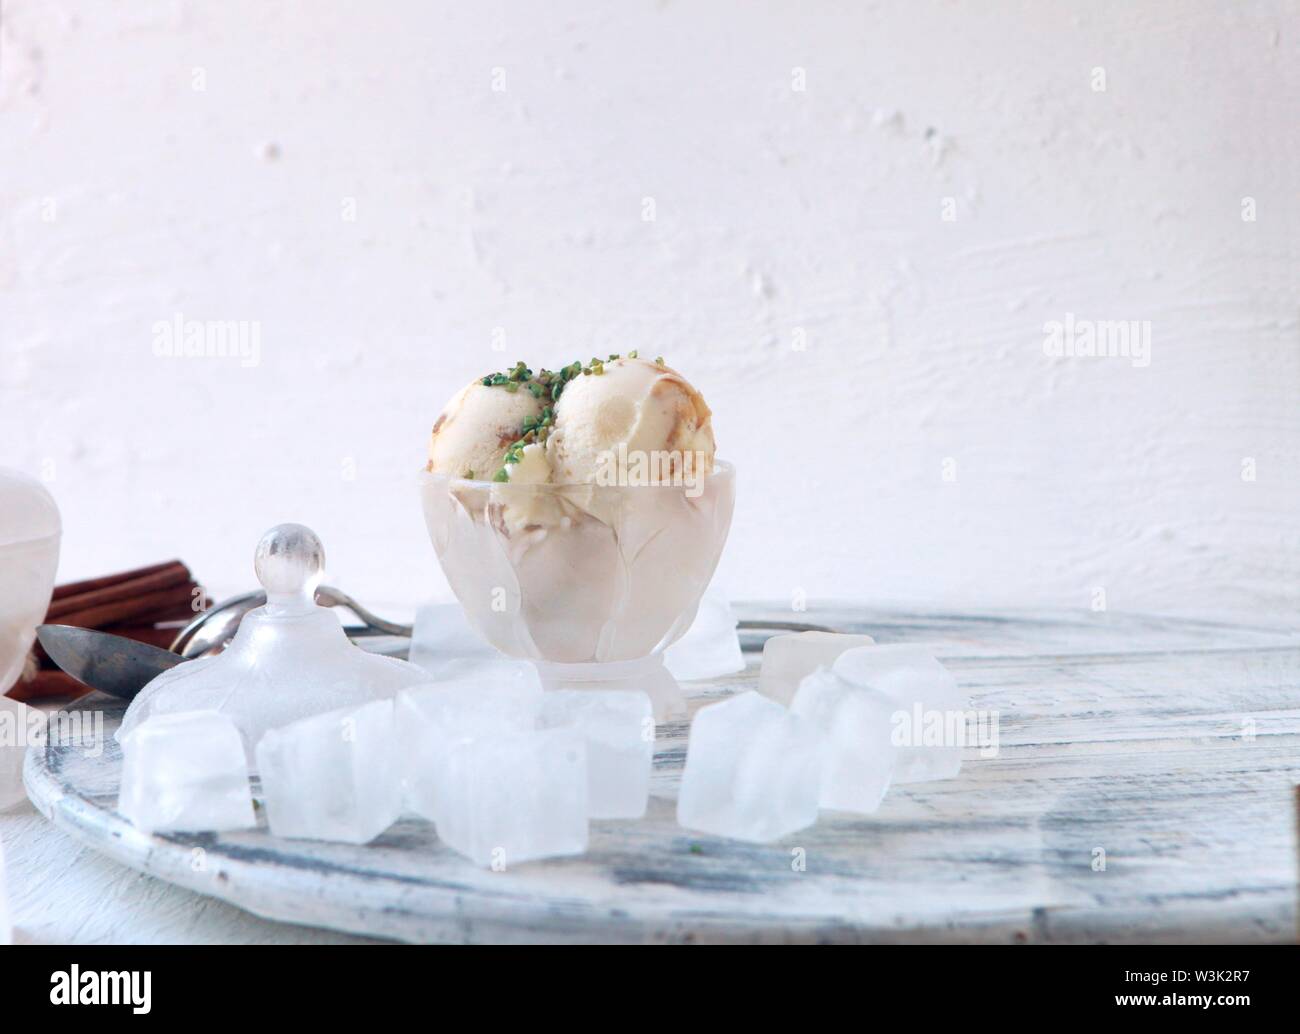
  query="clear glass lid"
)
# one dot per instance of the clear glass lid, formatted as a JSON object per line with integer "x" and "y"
{"x": 289, "y": 660}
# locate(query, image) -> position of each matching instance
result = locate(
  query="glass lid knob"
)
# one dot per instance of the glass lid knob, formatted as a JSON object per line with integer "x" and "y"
{"x": 290, "y": 563}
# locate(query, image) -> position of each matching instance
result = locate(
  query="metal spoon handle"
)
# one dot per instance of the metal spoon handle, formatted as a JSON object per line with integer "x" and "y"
{"x": 328, "y": 596}
{"x": 218, "y": 624}
{"x": 781, "y": 626}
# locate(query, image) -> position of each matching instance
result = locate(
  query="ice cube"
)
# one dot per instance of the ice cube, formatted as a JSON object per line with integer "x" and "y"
{"x": 432, "y": 718}
{"x": 490, "y": 671}
{"x": 788, "y": 659}
{"x": 20, "y": 727}
{"x": 648, "y": 676}
{"x": 619, "y": 731}
{"x": 6, "y": 923}
{"x": 710, "y": 647}
{"x": 443, "y": 641}
{"x": 928, "y": 710}
{"x": 333, "y": 776}
{"x": 186, "y": 772}
{"x": 857, "y": 756}
{"x": 508, "y": 798}
{"x": 753, "y": 770}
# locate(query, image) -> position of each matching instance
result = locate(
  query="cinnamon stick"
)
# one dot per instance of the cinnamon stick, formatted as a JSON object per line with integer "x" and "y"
{"x": 48, "y": 682}
{"x": 107, "y": 581}
{"x": 149, "y": 604}
{"x": 136, "y": 608}
{"x": 133, "y": 587}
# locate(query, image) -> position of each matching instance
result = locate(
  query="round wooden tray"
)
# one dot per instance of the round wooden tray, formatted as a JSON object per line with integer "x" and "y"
{"x": 1121, "y": 740}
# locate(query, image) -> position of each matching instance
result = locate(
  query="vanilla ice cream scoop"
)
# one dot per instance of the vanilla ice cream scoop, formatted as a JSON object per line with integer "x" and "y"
{"x": 622, "y": 421}
{"x": 630, "y": 412}
{"x": 480, "y": 423}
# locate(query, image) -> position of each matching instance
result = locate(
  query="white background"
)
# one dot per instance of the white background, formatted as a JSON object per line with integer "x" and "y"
{"x": 203, "y": 159}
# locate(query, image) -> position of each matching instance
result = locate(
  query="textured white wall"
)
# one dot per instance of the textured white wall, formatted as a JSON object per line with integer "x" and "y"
{"x": 204, "y": 159}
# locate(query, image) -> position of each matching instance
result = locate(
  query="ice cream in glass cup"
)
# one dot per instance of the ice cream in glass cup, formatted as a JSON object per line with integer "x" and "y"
{"x": 579, "y": 516}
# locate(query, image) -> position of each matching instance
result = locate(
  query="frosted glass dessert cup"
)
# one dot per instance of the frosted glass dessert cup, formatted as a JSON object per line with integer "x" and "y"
{"x": 30, "y": 532}
{"x": 590, "y": 582}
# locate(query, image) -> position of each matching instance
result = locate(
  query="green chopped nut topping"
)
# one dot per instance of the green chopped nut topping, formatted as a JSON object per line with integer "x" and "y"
{"x": 546, "y": 385}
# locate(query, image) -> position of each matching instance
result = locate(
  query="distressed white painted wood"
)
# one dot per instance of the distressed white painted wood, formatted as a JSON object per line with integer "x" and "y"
{"x": 1171, "y": 745}
{"x": 864, "y": 216}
